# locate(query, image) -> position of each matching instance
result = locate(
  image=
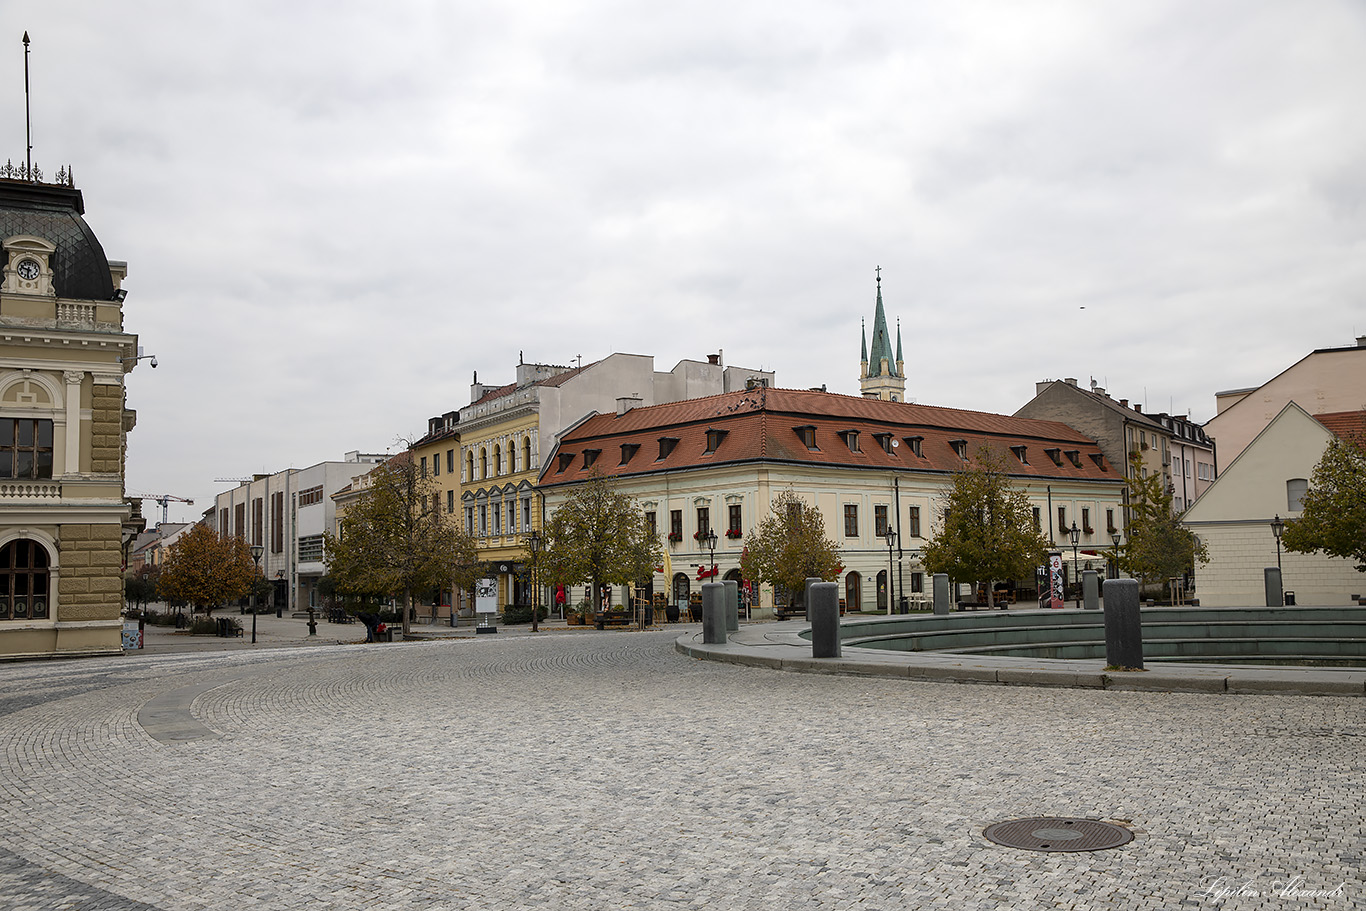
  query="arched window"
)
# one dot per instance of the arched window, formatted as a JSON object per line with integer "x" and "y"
{"x": 1295, "y": 489}
{"x": 853, "y": 592}
{"x": 469, "y": 466}
{"x": 483, "y": 463}
{"x": 526, "y": 453}
{"x": 512, "y": 457}
{"x": 25, "y": 567}
{"x": 497, "y": 459}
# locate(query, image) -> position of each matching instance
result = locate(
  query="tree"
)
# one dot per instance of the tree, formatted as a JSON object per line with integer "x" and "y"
{"x": 1158, "y": 546}
{"x": 141, "y": 587}
{"x": 789, "y": 546}
{"x": 988, "y": 531}
{"x": 205, "y": 570}
{"x": 395, "y": 541}
{"x": 599, "y": 534}
{"x": 1334, "y": 519}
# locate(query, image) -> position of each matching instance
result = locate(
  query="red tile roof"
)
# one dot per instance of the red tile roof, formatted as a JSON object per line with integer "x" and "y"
{"x": 1349, "y": 425}
{"x": 761, "y": 424}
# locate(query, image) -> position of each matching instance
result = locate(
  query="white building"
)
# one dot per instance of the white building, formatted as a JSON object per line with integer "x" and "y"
{"x": 286, "y": 513}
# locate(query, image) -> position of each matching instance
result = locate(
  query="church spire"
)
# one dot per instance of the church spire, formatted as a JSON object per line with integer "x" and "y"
{"x": 900, "y": 370}
{"x": 882, "y": 376}
{"x": 880, "y": 361}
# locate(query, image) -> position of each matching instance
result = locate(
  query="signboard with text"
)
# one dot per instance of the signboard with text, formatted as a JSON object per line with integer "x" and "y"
{"x": 1055, "y": 584}
{"x": 486, "y": 596}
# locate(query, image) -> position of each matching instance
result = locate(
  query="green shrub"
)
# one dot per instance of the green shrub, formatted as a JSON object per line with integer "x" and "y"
{"x": 521, "y": 613}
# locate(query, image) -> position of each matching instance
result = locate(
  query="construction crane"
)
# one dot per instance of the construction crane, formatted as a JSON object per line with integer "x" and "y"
{"x": 164, "y": 499}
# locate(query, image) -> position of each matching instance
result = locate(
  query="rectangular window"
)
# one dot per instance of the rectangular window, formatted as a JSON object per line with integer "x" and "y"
{"x": 733, "y": 526}
{"x": 258, "y": 507}
{"x": 676, "y": 524}
{"x": 497, "y": 518}
{"x": 915, "y": 444}
{"x": 450, "y": 461}
{"x": 880, "y": 521}
{"x": 26, "y": 448}
{"x": 277, "y": 522}
{"x": 422, "y": 467}
{"x": 703, "y": 521}
{"x": 311, "y": 549}
{"x": 222, "y": 523}
{"x": 1038, "y": 522}
{"x": 850, "y": 520}
{"x": 512, "y": 516}
{"x": 310, "y": 496}
{"x": 483, "y": 519}
{"x": 650, "y": 522}
{"x": 526, "y": 513}
{"x": 450, "y": 501}
{"x": 1110, "y": 521}
{"x": 1062, "y": 518}
{"x": 469, "y": 520}
{"x": 1086, "y": 520}
{"x": 917, "y": 583}
{"x": 239, "y": 520}
{"x": 914, "y": 523}
{"x": 436, "y": 465}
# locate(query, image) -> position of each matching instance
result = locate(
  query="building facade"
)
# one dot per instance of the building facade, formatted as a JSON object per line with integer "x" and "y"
{"x": 63, "y": 427}
{"x": 286, "y": 513}
{"x": 868, "y": 465}
{"x": 1266, "y": 481}
{"x": 505, "y": 432}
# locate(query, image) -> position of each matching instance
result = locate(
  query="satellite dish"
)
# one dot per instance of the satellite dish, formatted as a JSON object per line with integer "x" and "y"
{"x": 896, "y": 443}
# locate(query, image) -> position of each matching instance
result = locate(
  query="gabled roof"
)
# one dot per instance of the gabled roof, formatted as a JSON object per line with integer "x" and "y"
{"x": 766, "y": 424}
{"x": 1129, "y": 414}
{"x": 1347, "y": 425}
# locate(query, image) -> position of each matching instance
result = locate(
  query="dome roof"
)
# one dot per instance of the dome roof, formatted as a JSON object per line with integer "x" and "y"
{"x": 80, "y": 269}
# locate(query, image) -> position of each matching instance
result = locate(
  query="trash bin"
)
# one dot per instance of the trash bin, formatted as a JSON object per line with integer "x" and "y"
{"x": 1289, "y": 599}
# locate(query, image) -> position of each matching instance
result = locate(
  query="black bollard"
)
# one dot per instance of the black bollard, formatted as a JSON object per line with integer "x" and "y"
{"x": 713, "y": 613}
{"x": 1090, "y": 589}
{"x": 1123, "y": 625}
{"x": 312, "y": 623}
{"x": 823, "y": 603}
{"x": 732, "y": 606}
{"x": 1275, "y": 596}
{"x": 941, "y": 593}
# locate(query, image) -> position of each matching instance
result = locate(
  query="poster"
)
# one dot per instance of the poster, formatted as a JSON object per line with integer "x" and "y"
{"x": 1056, "y": 598}
{"x": 486, "y": 596}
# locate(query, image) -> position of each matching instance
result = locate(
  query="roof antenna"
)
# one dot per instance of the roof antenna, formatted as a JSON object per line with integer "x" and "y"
{"x": 28, "y": 119}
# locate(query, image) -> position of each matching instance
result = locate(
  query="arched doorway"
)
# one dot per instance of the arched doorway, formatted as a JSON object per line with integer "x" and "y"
{"x": 681, "y": 589}
{"x": 853, "y": 591}
{"x": 24, "y": 596}
{"x": 882, "y": 590}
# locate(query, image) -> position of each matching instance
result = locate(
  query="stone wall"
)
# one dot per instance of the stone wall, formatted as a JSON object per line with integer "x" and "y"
{"x": 106, "y": 429}
{"x": 90, "y": 586}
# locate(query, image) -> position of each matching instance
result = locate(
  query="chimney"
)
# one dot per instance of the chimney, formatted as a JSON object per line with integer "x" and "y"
{"x": 1124, "y": 403}
{"x": 476, "y": 389}
{"x": 714, "y": 359}
{"x": 1040, "y": 387}
{"x": 626, "y": 403}
{"x": 1070, "y": 380}
{"x": 1361, "y": 341}
{"x": 1138, "y": 408}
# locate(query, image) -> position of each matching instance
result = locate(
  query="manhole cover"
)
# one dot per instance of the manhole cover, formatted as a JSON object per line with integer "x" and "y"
{"x": 1051, "y": 833}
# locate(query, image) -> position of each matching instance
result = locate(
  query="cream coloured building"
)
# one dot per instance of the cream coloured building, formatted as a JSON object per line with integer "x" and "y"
{"x": 1233, "y": 518}
{"x": 63, "y": 425}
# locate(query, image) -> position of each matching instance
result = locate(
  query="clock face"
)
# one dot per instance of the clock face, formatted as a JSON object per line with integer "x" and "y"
{"x": 28, "y": 269}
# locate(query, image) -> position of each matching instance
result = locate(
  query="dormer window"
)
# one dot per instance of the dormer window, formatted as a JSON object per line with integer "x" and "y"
{"x": 590, "y": 456}
{"x": 1020, "y": 453}
{"x": 1055, "y": 455}
{"x": 1099, "y": 459}
{"x": 885, "y": 441}
{"x": 628, "y": 452}
{"x": 960, "y": 448}
{"x": 915, "y": 444}
{"x": 807, "y": 434}
{"x": 666, "y": 446}
{"x": 714, "y": 438}
{"x": 1074, "y": 456}
{"x": 566, "y": 459}
{"x": 850, "y": 438}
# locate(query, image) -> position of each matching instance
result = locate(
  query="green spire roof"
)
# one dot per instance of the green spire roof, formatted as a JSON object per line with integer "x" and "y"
{"x": 882, "y": 343}
{"x": 863, "y": 330}
{"x": 898, "y": 340}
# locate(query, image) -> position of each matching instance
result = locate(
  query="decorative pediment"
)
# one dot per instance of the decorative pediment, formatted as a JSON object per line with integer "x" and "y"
{"x": 28, "y": 267}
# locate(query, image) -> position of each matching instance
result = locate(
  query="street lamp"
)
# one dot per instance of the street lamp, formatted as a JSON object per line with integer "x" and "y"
{"x": 1075, "y": 532}
{"x": 1114, "y": 539}
{"x": 256, "y": 551}
{"x": 1277, "y": 527}
{"x": 534, "y": 542}
{"x": 891, "y": 566}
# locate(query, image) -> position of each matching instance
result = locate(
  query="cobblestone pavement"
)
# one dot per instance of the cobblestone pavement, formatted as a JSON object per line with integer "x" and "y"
{"x": 605, "y": 771}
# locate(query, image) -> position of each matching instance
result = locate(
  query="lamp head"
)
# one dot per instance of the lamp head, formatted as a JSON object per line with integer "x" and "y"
{"x": 1277, "y": 526}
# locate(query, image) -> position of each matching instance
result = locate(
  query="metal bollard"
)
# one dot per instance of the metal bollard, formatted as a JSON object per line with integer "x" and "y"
{"x": 732, "y": 605}
{"x": 1090, "y": 589}
{"x": 941, "y": 593}
{"x": 1274, "y": 595}
{"x": 1123, "y": 625}
{"x": 823, "y": 604}
{"x": 713, "y": 613}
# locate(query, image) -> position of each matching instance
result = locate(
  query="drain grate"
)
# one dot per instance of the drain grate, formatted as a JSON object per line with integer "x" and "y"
{"x": 1053, "y": 833}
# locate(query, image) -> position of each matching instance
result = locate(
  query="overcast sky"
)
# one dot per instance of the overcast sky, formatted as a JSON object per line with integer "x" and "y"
{"x": 334, "y": 212}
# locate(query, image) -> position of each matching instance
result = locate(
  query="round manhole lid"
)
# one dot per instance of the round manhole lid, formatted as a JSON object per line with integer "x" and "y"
{"x": 1053, "y": 833}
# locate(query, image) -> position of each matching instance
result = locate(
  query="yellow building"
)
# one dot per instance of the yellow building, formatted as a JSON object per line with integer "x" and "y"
{"x": 437, "y": 457}
{"x": 63, "y": 427}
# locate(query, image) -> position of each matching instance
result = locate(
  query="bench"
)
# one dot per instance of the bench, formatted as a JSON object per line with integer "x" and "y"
{"x": 612, "y": 618}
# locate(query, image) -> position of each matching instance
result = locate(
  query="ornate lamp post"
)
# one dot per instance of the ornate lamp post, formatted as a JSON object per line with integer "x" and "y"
{"x": 534, "y": 542}
{"x": 256, "y": 551}
{"x": 710, "y": 540}
{"x": 1277, "y": 527}
{"x": 1114, "y": 557}
{"x": 891, "y": 567}
{"x": 1075, "y": 532}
